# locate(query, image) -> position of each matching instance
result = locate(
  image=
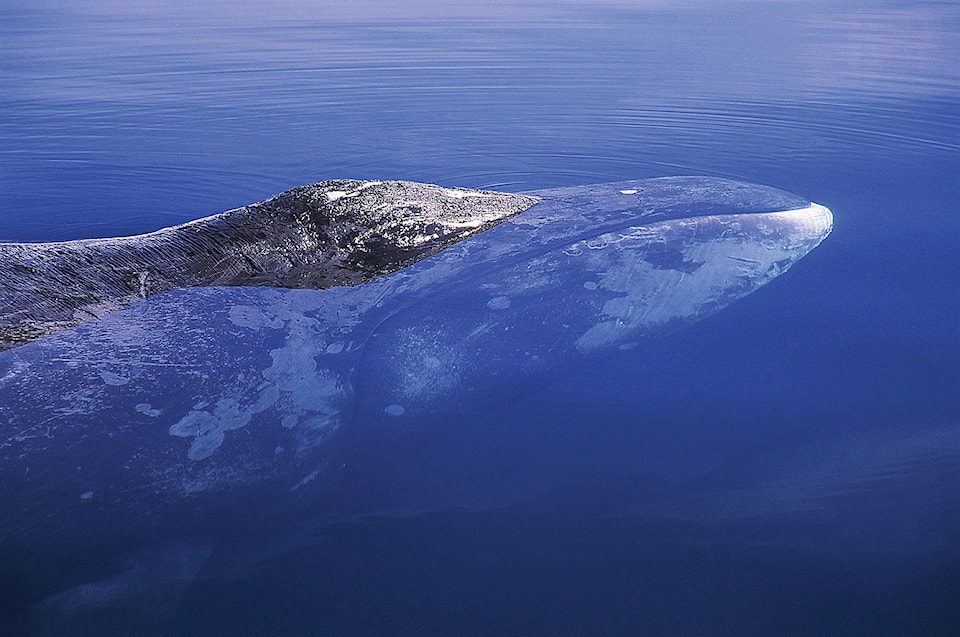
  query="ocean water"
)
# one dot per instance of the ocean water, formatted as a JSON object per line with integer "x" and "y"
{"x": 789, "y": 465}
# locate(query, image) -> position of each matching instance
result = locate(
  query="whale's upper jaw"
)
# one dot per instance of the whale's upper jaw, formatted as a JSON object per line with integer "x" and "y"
{"x": 357, "y": 231}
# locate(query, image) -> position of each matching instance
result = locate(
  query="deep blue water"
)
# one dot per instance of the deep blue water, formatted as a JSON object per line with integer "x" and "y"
{"x": 790, "y": 465}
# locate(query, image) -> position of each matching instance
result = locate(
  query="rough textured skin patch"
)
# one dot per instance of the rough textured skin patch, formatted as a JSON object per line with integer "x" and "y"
{"x": 333, "y": 233}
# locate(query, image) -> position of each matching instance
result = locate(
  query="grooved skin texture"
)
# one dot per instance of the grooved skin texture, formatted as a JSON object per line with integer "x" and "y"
{"x": 333, "y": 233}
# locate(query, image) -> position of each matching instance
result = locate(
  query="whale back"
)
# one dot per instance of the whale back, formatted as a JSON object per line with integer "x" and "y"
{"x": 328, "y": 234}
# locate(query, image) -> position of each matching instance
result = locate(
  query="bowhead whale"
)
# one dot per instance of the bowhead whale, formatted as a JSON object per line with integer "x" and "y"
{"x": 316, "y": 236}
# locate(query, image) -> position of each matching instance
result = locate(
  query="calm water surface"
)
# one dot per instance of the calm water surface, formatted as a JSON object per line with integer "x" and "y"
{"x": 789, "y": 466}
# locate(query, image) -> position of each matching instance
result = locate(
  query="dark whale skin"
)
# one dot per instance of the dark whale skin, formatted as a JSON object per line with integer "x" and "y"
{"x": 322, "y": 235}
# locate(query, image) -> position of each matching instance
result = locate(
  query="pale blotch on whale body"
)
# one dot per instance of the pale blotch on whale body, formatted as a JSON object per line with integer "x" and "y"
{"x": 112, "y": 378}
{"x": 394, "y": 410}
{"x": 147, "y": 410}
{"x": 499, "y": 303}
{"x": 425, "y": 363}
{"x": 305, "y": 394}
{"x": 207, "y": 428}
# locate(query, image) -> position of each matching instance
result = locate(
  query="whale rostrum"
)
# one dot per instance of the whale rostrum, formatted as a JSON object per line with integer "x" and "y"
{"x": 328, "y": 234}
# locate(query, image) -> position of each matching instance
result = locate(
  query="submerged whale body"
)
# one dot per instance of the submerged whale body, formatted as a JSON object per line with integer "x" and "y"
{"x": 316, "y": 236}
{"x": 172, "y": 420}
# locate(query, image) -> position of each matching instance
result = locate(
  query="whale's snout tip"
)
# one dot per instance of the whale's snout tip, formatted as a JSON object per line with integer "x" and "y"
{"x": 820, "y": 220}
{"x": 809, "y": 225}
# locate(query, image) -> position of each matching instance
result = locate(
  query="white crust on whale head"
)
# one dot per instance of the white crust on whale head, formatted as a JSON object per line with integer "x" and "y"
{"x": 336, "y": 195}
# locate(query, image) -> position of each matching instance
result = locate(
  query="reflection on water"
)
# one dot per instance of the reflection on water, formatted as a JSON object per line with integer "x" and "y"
{"x": 790, "y": 465}
{"x": 890, "y": 51}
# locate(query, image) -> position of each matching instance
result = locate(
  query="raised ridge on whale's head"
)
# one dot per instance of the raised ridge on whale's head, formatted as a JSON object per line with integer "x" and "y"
{"x": 322, "y": 235}
{"x": 355, "y": 231}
